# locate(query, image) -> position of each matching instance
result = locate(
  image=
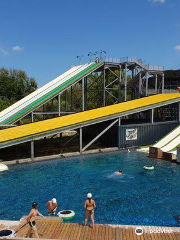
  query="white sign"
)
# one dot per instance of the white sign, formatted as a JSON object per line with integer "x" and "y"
{"x": 131, "y": 134}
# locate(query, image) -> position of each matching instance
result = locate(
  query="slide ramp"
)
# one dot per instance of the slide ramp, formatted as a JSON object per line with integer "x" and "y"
{"x": 28, "y": 132}
{"x": 43, "y": 94}
{"x": 170, "y": 141}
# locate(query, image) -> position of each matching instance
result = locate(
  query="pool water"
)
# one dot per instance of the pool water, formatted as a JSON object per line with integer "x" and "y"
{"x": 136, "y": 197}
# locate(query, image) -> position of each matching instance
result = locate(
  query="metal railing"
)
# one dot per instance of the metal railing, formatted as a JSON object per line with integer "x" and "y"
{"x": 134, "y": 60}
{"x": 153, "y": 91}
{"x": 154, "y": 68}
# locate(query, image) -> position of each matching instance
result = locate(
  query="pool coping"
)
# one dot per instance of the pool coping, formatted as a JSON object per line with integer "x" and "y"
{"x": 60, "y": 156}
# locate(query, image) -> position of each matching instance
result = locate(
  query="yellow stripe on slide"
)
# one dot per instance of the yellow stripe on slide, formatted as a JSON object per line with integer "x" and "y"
{"x": 78, "y": 118}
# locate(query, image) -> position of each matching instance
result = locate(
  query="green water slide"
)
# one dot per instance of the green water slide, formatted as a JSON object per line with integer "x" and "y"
{"x": 34, "y": 100}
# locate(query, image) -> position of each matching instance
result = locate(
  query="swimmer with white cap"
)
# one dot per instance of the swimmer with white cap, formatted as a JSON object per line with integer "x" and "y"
{"x": 52, "y": 207}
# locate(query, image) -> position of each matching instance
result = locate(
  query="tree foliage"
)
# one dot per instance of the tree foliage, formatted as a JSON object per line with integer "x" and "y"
{"x": 14, "y": 85}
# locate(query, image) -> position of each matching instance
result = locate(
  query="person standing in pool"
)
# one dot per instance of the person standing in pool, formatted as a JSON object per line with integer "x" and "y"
{"x": 31, "y": 219}
{"x": 52, "y": 207}
{"x": 89, "y": 206}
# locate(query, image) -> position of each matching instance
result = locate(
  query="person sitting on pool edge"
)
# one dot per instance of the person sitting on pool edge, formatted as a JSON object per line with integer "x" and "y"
{"x": 52, "y": 207}
{"x": 89, "y": 206}
{"x": 31, "y": 219}
{"x": 119, "y": 172}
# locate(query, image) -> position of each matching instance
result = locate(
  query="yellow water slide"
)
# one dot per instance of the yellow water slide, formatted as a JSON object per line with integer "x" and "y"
{"x": 28, "y": 132}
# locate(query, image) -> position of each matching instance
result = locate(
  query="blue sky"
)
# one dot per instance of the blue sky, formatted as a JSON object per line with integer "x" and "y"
{"x": 43, "y": 37}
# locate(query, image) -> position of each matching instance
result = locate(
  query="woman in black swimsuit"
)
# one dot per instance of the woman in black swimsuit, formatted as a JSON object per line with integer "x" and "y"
{"x": 89, "y": 206}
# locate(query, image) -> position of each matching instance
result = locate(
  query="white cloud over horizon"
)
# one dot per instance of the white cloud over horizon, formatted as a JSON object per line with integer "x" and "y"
{"x": 177, "y": 48}
{"x": 17, "y": 48}
{"x": 160, "y": 1}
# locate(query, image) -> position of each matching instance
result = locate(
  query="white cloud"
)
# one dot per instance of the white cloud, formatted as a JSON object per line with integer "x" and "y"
{"x": 18, "y": 48}
{"x": 160, "y": 1}
{"x": 177, "y": 47}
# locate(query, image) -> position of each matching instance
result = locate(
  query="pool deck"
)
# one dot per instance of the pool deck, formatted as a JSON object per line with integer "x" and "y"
{"x": 55, "y": 229}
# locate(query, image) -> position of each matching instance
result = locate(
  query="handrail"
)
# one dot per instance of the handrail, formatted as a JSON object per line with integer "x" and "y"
{"x": 133, "y": 60}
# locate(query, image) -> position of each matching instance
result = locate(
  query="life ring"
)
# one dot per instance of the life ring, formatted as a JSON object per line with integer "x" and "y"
{"x": 7, "y": 233}
{"x": 3, "y": 167}
{"x": 66, "y": 214}
{"x": 148, "y": 167}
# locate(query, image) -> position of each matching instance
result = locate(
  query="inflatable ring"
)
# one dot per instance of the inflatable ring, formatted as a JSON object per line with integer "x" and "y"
{"x": 148, "y": 167}
{"x": 66, "y": 214}
{"x": 3, "y": 167}
{"x": 7, "y": 233}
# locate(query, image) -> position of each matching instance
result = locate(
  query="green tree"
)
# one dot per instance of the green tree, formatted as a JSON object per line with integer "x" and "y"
{"x": 14, "y": 85}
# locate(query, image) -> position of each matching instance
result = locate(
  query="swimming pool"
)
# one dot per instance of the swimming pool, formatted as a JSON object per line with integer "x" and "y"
{"x": 137, "y": 197}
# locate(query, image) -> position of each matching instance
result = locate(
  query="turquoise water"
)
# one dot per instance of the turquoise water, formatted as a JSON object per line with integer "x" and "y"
{"x": 137, "y": 197}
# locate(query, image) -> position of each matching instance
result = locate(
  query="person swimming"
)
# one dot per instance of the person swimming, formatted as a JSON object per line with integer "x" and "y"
{"x": 119, "y": 172}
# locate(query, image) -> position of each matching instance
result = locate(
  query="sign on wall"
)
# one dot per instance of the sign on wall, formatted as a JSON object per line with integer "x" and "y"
{"x": 131, "y": 134}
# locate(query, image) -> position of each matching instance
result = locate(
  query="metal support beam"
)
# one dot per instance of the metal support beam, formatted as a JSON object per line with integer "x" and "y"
{"x": 83, "y": 108}
{"x": 120, "y": 75}
{"x": 80, "y": 140}
{"x": 132, "y": 73}
{"x": 32, "y": 117}
{"x": 99, "y": 135}
{"x": 152, "y": 115}
{"x": 71, "y": 98}
{"x": 136, "y": 70}
{"x": 104, "y": 86}
{"x": 51, "y": 113}
{"x": 85, "y": 93}
{"x": 146, "y": 83}
{"x": 140, "y": 84}
{"x": 66, "y": 105}
{"x": 125, "y": 84}
{"x": 59, "y": 104}
{"x": 32, "y": 150}
{"x": 163, "y": 83}
{"x": 156, "y": 83}
{"x": 119, "y": 125}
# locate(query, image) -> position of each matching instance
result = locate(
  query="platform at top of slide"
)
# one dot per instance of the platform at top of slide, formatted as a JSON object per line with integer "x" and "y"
{"x": 28, "y": 132}
{"x": 43, "y": 94}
